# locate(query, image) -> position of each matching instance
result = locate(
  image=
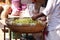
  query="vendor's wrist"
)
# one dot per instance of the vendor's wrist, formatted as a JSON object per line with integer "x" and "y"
{"x": 38, "y": 15}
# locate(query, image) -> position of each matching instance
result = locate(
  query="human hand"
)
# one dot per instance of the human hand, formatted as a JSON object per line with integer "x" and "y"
{"x": 34, "y": 17}
{"x": 43, "y": 18}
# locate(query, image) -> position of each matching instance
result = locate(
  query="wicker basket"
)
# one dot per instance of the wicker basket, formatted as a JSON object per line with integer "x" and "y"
{"x": 25, "y": 28}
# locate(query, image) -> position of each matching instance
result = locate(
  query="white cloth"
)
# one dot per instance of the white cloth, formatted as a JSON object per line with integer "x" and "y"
{"x": 25, "y": 13}
{"x": 28, "y": 12}
{"x": 52, "y": 10}
{"x": 26, "y": 1}
{"x": 53, "y": 35}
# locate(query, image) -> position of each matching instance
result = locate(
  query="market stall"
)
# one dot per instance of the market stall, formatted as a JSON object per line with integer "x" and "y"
{"x": 25, "y": 26}
{"x": 30, "y": 27}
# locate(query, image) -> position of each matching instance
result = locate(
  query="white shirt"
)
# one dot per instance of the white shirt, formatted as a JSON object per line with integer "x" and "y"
{"x": 52, "y": 10}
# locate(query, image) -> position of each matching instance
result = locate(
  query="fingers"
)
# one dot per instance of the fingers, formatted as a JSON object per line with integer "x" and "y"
{"x": 34, "y": 17}
{"x": 43, "y": 18}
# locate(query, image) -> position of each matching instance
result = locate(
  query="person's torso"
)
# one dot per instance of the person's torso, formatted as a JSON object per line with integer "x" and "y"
{"x": 54, "y": 16}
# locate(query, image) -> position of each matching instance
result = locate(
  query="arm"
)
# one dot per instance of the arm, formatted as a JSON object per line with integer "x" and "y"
{"x": 46, "y": 11}
{"x": 43, "y": 17}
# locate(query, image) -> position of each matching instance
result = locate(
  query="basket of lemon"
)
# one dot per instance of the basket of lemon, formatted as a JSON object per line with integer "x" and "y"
{"x": 24, "y": 25}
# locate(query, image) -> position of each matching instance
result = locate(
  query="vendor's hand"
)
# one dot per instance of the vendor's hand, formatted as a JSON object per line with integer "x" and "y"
{"x": 43, "y": 18}
{"x": 3, "y": 22}
{"x": 34, "y": 17}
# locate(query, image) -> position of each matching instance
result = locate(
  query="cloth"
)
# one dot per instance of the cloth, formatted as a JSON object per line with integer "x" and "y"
{"x": 16, "y": 10}
{"x": 52, "y": 10}
{"x": 27, "y": 10}
{"x": 16, "y": 0}
{"x": 26, "y": 1}
{"x": 16, "y": 4}
{"x": 53, "y": 35}
{"x": 17, "y": 7}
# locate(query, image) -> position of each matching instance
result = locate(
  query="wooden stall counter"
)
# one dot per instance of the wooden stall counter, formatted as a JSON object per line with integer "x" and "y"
{"x": 26, "y": 28}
